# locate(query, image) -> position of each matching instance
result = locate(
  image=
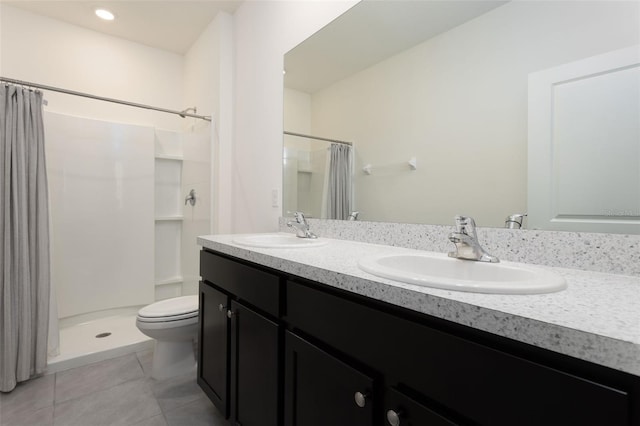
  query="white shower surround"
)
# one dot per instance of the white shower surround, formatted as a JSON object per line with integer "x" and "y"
{"x": 101, "y": 183}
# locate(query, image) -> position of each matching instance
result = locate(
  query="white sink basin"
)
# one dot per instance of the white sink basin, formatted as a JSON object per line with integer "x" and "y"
{"x": 441, "y": 271}
{"x": 277, "y": 241}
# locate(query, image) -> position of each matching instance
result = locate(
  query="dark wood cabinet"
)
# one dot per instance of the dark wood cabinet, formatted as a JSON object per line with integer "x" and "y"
{"x": 463, "y": 376}
{"x": 298, "y": 353}
{"x": 213, "y": 341}
{"x": 321, "y": 390}
{"x": 401, "y": 409}
{"x": 254, "y": 367}
{"x": 240, "y": 356}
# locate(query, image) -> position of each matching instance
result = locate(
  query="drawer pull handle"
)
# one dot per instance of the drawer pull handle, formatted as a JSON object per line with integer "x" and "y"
{"x": 393, "y": 417}
{"x": 361, "y": 399}
{"x": 230, "y": 313}
{"x": 221, "y": 307}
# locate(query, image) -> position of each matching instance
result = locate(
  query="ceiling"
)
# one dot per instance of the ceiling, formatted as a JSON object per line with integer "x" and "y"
{"x": 370, "y": 32}
{"x": 168, "y": 25}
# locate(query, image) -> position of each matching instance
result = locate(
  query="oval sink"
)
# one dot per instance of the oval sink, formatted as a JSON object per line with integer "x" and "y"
{"x": 277, "y": 241}
{"x": 441, "y": 271}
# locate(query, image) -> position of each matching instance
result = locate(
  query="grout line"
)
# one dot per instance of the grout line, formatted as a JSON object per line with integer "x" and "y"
{"x": 140, "y": 364}
{"x": 55, "y": 383}
{"x": 54, "y": 404}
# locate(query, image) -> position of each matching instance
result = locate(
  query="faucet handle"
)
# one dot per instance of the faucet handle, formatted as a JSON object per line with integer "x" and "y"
{"x": 191, "y": 198}
{"x": 299, "y": 216}
{"x": 301, "y": 226}
{"x": 465, "y": 225}
{"x": 514, "y": 221}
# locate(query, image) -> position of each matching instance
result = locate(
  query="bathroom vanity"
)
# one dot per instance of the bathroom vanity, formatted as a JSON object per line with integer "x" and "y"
{"x": 302, "y": 337}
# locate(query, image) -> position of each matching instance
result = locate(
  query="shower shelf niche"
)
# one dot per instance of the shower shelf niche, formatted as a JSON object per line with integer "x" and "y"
{"x": 168, "y": 226}
{"x": 169, "y": 218}
{"x": 168, "y": 157}
{"x": 173, "y": 280}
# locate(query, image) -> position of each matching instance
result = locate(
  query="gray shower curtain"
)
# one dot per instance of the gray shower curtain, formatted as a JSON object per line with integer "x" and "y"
{"x": 339, "y": 182}
{"x": 24, "y": 237}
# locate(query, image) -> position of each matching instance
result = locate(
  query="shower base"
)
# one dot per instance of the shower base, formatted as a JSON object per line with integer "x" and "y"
{"x": 89, "y": 338}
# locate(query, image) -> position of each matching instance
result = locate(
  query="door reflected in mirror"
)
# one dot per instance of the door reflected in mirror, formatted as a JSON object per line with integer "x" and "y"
{"x": 447, "y": 83}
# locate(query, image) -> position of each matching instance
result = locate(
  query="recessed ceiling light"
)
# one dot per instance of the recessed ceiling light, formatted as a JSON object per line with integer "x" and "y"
{"x": 105, "y": 14}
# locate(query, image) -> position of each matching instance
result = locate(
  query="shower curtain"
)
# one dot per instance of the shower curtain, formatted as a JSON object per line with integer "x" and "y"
{"x": 339, "y": 182}
{"x": 24, "y": 238}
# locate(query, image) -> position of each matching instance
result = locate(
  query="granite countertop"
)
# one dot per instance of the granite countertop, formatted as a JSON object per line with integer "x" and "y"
{"x": 597, "y": 318}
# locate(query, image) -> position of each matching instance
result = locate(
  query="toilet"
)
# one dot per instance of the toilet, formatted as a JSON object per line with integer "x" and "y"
{"x": 173, "y": 323}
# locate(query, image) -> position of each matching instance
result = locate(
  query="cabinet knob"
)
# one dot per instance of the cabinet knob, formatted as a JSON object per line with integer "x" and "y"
{"x": 230, "y": 313}
{"x": 221, "y": 307}
{"x": 361, "y": 399}
{"x": 393, "y": 417}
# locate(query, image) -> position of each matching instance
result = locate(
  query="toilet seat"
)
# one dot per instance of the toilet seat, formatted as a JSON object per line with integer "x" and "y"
{"x": 168, "y": 318}
{"x": 176, "y": 309}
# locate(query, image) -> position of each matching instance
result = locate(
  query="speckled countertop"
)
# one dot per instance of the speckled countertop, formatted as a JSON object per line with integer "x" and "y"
{"x": 597, "y": 318}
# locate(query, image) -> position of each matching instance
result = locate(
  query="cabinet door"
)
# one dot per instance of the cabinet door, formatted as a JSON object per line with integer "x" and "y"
{"x": 399, "y": 409}
{"x": 213, "y": 362}
{"x": 320, "y": 390}
{"x": 254, "y": 366}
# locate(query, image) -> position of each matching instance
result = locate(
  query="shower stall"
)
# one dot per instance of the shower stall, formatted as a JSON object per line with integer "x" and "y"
{"x": 122, "y": 234}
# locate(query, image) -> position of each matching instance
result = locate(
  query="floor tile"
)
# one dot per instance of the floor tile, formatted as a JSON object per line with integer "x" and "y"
{"x": 198, "y": 413}
{"x": 87, "y": 379}
{"x": 176, "y": 391}
{"x": 41, "y": 417}
{"x": 120, "y": 405}
{"x": 153, "y": 421}
{"x": 26, "y": 398}
{"x": 116, "y": 392}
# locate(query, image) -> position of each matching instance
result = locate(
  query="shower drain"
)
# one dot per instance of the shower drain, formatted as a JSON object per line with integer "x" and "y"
{"x": 101, "y": 335}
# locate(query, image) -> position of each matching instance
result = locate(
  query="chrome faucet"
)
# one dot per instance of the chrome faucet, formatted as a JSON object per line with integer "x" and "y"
{"x": 514, "y": 221}
{"x": 301, "y": 226}
{"x": 353, "y": 216}
{"x": 191, "y": 198}
{"x": 466, "y": 241}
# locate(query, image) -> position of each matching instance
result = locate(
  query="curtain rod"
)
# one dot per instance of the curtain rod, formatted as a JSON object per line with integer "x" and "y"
{"x": 317, "y": 138}
{"x": 182, "y": 114}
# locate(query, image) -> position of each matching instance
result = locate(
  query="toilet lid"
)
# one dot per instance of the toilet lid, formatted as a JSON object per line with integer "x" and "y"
{"x": 184, "y": 306}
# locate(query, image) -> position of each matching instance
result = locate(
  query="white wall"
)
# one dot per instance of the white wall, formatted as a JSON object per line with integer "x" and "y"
{"x": 459, "y": 103}
{"x": 263, "y": 32}
{"x": 46, "y": 51}
{"x": 207, "y": 76}
{"x": 297, "y": 111}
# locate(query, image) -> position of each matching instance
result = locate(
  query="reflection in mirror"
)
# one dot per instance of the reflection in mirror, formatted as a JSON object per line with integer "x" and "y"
{"x": 318, "y": 177}
{"x": 447, "y": 83}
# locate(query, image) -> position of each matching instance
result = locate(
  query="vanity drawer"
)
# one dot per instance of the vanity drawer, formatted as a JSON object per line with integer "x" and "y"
{"x": 257, "y": 287}
{"x": 487, "y": 385}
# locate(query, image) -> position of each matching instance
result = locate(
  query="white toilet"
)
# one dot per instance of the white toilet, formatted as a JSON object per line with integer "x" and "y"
{"x": 173, "y": 323}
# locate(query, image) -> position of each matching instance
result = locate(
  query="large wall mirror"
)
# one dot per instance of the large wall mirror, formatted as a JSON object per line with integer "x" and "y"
{"x": 482, "y": 108}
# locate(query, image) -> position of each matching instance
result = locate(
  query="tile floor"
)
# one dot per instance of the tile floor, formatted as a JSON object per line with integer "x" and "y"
{"x": 118, "y": 391}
